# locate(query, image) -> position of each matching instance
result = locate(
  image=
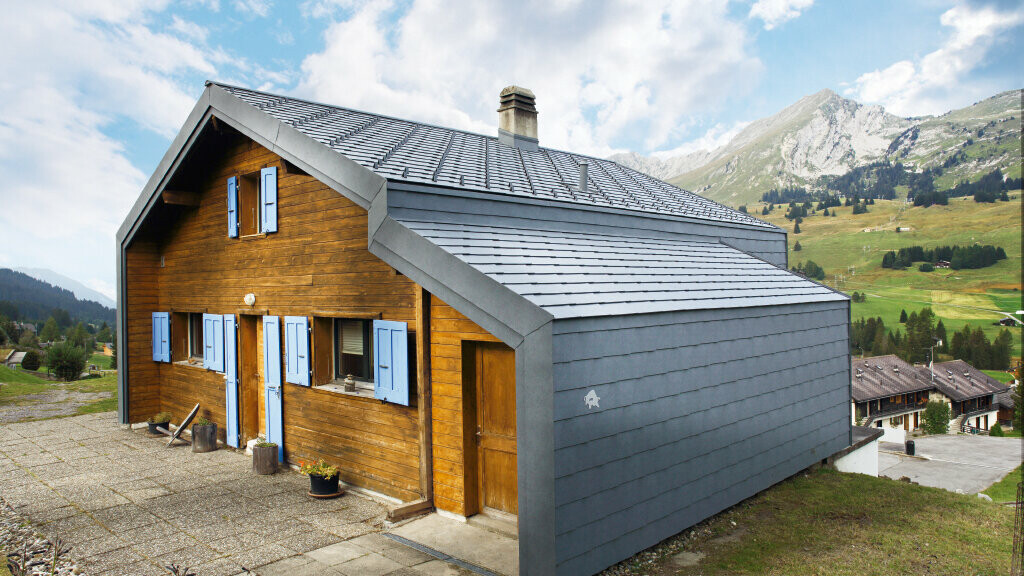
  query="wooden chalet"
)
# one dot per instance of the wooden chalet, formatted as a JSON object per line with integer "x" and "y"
{"x": 475, "y": 324}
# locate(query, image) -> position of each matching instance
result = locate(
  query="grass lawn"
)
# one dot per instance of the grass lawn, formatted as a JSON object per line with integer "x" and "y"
{"x": 1006, "y": 489}
{"x": 1004, "y": 377}
{"x": 18, "y": 385}
{"x": 103, "y": 362}
{"x": 850, "y": 249}
{"x": 826, "y": 522}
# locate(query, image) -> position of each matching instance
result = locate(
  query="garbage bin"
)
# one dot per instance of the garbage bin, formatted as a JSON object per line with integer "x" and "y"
{"x": 910, "y": 447}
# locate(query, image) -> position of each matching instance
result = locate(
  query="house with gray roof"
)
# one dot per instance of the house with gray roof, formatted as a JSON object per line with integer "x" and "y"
{"x": 475, "y": 324}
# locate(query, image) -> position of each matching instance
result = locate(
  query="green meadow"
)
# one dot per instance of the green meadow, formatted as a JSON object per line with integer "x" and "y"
{"x": 850, "y": 250}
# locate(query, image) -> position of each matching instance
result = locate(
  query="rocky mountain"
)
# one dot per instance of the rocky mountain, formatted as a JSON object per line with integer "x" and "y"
{"x": 825, "y": 134}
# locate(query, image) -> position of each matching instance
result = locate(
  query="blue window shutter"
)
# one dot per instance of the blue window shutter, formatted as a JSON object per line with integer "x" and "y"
{"x": 161, "y": 337}
{"x": 230, "y": 382}
{"x": 391, "y": 362}
{"x": 213, "y": 342}
{"x": 268, "y": 199}
{"x": 296, "y": 349}
{"x": 233, "y": 207}
{"x": 272, "y": 382}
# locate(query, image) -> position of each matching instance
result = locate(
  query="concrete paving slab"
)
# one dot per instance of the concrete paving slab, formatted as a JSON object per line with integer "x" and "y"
{"x": 963, "y": 463}
{"x": 368, "y": 565}
{"x": 129, "y": 505}
{"x": 466, "y": 542}
{"x": 338, "y": 553}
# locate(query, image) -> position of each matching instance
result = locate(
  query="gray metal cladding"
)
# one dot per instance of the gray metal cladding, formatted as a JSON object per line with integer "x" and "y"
{"x": 698, "y": 410}
{"x": 577, "y": 274}
{"x": 405, "y": 151}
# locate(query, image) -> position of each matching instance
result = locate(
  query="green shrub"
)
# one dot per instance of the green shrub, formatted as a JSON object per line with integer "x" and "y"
{"x": 936, "y": 418}
{"x": 202, "y": 421}
{"x": 66, "y": 361}
{"x": 926, "y": 267}
{"x": 996, "y": 430}
{"x": 159, "y": 418}
{"x": 32, "y": 361}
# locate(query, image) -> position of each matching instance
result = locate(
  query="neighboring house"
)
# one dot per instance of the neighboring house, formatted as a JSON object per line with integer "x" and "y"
{"x": 970, "y": 392}
{"x": 14, "y": 359}
{"x": 595, "y": 356}
{"x": 1006, "y": 403}
{"x": 888, "y": 393}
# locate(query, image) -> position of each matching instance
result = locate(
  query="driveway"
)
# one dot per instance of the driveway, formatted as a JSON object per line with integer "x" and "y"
{"x": 962, "y": 463}
{"x": 130, "y": 506}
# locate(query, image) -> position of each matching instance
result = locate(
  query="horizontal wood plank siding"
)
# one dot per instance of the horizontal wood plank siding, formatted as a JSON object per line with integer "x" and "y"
{"x": 697, "y": 411}
{"x": 142, "y": 261}
{"x": 317, "y": 261}
{"x": 449, "y": 329}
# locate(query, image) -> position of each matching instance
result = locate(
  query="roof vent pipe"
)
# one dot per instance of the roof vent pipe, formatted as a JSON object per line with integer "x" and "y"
{"x": 583, "y": 175}
{"x": 517, "y": 118}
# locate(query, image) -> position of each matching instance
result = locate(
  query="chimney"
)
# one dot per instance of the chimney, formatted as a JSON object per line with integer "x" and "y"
{"x": 517, "y": 118}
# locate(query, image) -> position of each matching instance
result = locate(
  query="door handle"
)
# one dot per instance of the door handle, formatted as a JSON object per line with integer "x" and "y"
{"x": 384, "y": 366}
{"x": 476, "y": 436}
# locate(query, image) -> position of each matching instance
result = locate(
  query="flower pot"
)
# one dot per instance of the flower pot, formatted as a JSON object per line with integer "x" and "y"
{"x": 321, "y": 487}
{"x": 204, "y": 437}
{"x": 154, "y": 425}
{"x": 264, "y": 459}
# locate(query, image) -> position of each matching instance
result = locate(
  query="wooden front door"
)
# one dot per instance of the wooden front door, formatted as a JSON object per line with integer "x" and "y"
{"x": 496, "y": 427}
{"x": 249, "y": 379}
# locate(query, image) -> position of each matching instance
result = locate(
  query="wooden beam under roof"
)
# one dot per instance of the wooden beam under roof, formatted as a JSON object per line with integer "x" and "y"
{"x": 180, "y": 198}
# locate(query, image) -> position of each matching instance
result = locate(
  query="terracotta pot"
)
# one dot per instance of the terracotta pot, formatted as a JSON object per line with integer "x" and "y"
{"x": 204, "y": 437}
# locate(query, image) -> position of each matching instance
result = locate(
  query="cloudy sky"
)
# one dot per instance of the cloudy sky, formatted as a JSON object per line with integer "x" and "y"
{"x": 93, "y": 91}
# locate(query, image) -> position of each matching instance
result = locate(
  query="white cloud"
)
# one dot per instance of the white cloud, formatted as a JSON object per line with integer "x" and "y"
{"x": 82, "y": 67}
{"x": 775, "y": 12}
{"x": 603, "y": 74}
{"x": 934, "y": 83}
{"x": 717, "y": 136}
{"x": 254, "y": 7}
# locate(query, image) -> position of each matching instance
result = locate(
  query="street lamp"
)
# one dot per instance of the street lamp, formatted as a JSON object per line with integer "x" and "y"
{"x": 931, "y": 356}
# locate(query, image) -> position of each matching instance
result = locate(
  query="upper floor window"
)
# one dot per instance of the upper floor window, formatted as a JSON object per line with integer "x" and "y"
{"x": 252, "y": 203}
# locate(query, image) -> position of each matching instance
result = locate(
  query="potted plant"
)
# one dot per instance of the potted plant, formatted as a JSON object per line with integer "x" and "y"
{"x": 264, "y": 457}
{"x": 204, "y": 435}
{"x": 159, "y": 420}
{"x": 323, "y": 479}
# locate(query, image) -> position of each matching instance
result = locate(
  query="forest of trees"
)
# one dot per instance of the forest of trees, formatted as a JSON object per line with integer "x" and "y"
{"x": 959, "y": 257}
{"x": 810, "y": 269}
{"x": 879, "y": 181}
{"x": 988, "y": 188}
{"x": 913, "y": 343}
{"x": 26, "y": 299}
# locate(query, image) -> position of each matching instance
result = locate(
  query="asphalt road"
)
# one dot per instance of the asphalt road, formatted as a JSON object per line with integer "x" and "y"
{"x": 962, "y": 463}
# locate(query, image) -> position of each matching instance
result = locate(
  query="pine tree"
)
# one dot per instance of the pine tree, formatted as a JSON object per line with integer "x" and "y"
{"x": 825, "y": 212}
{"x": 796, "y": 228}
{"x": 50, "y": 331}
{"x": 940, "y": 333}
{"x": 903, "y": 316}
{"x": 797, "y": 247}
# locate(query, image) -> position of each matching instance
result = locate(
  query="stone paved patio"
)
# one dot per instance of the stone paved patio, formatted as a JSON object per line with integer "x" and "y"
{"x": 130, "y": 506}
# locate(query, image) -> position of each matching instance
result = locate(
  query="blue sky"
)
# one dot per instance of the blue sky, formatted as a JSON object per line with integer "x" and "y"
{"x": 95, "y": 90}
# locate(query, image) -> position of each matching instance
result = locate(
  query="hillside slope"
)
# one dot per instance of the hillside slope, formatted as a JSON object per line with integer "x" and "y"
{"x": 81, "y": 291}
{"x": 35, "y": 300}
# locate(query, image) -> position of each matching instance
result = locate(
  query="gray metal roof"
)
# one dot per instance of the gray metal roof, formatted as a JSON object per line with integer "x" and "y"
{"x": 407, "y": 151}
{"x": 572, "y": 275}
{"x": 884, "y": 376}
{"x": 960, "y": 381}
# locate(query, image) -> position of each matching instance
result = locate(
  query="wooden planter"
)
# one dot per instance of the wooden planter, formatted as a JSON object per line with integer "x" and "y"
{"x": 264, "y": 459}
{"x": 204, "y": 438}
{"x": 154, "y": 425}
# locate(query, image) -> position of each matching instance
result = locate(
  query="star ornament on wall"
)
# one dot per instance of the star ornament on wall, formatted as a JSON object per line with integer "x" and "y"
{"x": 591, "y": 400}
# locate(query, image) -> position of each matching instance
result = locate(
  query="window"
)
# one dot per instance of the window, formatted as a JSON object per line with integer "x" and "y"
{"x": 195, "y": 336}
{"x": 249, "y": 204}
{"x": 353, "y": 348}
